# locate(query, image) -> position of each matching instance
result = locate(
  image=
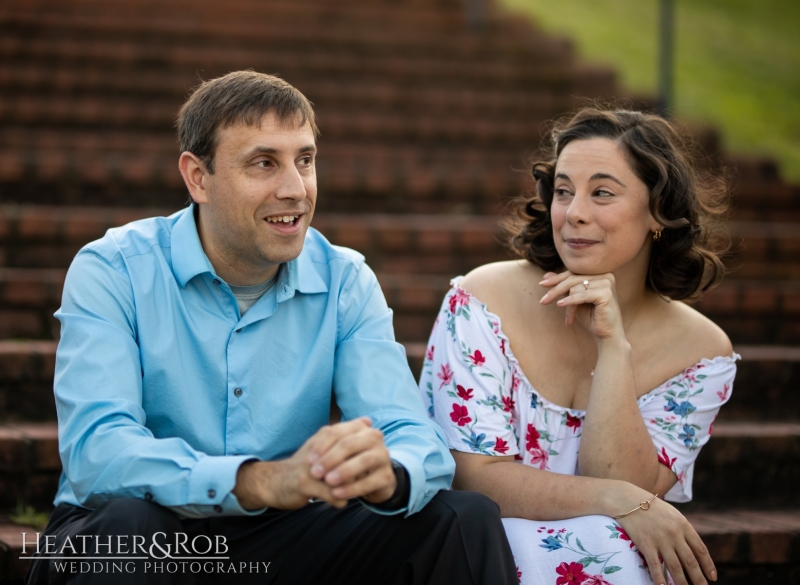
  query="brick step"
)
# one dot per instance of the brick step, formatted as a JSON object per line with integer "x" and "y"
{"x": 333, "y": 63}
{"x": 742, "y": 458}
{"x": 747, "y": 546}
{"x": 749, "y": 311}
{"x": 765, "y": 387}
{"x": 293, "y": 27}
{"x": 61, "y": 103}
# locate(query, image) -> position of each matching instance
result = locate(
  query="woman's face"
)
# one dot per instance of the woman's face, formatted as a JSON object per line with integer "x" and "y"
{"x": 600, "y": 214}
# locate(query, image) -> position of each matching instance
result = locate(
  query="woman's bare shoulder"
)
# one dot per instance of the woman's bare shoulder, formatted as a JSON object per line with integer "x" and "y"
{"x": 697, "y": 334}
{"x": 499, "y": 283}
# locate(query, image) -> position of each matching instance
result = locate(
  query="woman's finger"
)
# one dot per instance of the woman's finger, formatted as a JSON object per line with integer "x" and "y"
{"x": 701, "y": 554}
{"x": 653, "y": 562}
{"x": 673, "y": 564}
{"x": 691, "y": 566}
{"x": 591, "y": 296}
{"x": 552, "y": 278}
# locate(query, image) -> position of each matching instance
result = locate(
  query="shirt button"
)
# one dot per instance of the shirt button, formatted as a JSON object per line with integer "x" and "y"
{"x": 238, "y": 392}
{"x": 148, "y": 496}
{"x": 218, "y": 509}
{"x": 216, "y": 281}
{"x": 212, "y": 494}
{"x": 238, "y": 331}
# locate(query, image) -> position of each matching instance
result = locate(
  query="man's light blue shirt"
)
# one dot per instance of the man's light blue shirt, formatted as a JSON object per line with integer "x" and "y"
{"x": 163, "y": 389}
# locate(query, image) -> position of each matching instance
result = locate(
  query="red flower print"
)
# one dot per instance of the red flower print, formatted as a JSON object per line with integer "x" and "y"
{"x": 663, "y": 458}
{"x": 711, "y": 426}
{"x": 503, "y": 346}
{"x": 446, "y": 375}
{"x": 551, "y": 530}
{"x": 596, "y": 580}
{"x": 570, "y": 573}
{"x": 517, "y": 457}
{"x": 723, "y": 394}
{"x": 460, "y": 415}
{"x": 500, "y": 445}
{"x": 477, "y": 358}
{"x": 562, "y": 530}
{"x": 464, "y": 393}
{"x": 539, "y": 457}
{"x": 514, "y": 382}
{"x": 519, "y": 575}
{"x": 429, "y": 353}
{"x": 624, "y": 535}
{"x": 458, "y": 299}
{"x": 532, "y": 438}
{"x": 573, "y": 422}
{"x": 508, "y": 403}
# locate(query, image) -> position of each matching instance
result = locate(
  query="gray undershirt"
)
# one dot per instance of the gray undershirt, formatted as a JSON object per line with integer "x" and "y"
{"x": 246, "y": 296}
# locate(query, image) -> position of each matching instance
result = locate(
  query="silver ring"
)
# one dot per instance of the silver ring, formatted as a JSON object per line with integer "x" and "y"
{"x": 586, "y": 284}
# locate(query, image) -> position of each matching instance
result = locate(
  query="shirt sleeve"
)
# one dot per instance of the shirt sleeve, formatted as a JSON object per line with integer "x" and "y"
{"x": 467, "y": 379}
{"x": 680, "y": 417}
{"x": 372, "y": 378}
{"x": 106, "y": 449}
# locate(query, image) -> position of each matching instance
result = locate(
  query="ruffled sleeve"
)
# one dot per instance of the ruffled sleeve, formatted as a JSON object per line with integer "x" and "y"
{"x": 679, "y": 415}
{"x": 467, "y": 380}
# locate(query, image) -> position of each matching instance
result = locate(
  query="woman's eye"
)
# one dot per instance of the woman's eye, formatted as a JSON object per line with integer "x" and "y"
{"x": 601, "y": 193}
{"x": 561, "y": 193}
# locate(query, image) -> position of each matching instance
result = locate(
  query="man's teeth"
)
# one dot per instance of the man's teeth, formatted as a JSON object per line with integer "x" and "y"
{"x": 284, "y": 219}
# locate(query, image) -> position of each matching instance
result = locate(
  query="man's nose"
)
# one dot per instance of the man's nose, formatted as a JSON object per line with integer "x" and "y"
{"x": 291, "y": 185}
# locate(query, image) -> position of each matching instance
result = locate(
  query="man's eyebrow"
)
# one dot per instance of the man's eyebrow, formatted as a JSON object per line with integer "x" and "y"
{"x": 308, "y": 148}
{"x": 598, "y": 176}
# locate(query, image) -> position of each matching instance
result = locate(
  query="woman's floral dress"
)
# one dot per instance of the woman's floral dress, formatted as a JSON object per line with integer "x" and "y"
{"x": 474, "y": 388}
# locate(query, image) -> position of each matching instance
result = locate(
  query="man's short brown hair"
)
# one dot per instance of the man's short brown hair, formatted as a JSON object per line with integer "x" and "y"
{"x": 240, "y": 97}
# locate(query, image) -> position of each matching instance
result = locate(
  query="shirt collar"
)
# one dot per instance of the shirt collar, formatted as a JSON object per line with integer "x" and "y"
{"x": 189, "y": 259}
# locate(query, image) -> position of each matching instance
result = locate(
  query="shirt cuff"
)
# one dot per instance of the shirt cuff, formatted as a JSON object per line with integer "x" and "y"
{"x": 211, "y": 485}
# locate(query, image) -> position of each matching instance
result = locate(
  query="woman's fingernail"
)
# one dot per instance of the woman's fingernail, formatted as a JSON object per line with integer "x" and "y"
{"x": 561, "y": 301}
{"x": 317, "y": 469}
{"x": 713, "y": 574}
{"x": 543, "y": 298}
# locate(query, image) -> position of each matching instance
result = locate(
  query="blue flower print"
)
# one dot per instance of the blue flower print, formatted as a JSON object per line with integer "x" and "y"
{"x": 683, "y": 409}
{"x": 687, "y": 435}
{"x": 477, "y": 443}
{"x": 551, "y": 543}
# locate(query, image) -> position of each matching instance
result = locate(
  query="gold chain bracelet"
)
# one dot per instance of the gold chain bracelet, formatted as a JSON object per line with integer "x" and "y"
{"x": 643, "y": 506}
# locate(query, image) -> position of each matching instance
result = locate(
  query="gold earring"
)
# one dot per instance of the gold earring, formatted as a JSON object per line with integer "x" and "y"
{"x": 657, "y": 235}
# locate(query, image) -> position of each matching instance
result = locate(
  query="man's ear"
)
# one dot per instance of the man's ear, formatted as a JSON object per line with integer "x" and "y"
{"x": 194, "y": 173}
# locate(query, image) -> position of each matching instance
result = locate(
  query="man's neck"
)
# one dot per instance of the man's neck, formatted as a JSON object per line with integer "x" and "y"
{"x": 227, "y": 264}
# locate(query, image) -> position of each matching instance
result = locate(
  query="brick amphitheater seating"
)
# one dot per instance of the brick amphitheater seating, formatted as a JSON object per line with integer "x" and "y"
{"x": 424, "y": 125}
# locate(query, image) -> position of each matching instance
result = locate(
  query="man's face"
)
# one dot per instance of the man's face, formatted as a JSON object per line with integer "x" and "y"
{"x": 260, "y": 200}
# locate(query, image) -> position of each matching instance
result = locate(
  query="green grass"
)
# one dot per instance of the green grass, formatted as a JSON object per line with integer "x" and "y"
{"x": 737, "y": 62}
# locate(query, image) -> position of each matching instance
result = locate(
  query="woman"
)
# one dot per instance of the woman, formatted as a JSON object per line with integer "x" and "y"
{"x": 580, "y": 361}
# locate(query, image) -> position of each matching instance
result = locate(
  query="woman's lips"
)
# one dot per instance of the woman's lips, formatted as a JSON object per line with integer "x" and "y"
{"x": 579, "y": 244}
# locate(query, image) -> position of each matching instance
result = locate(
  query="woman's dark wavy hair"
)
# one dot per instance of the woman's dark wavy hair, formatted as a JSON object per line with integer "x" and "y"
{"x": 689, "y": 205}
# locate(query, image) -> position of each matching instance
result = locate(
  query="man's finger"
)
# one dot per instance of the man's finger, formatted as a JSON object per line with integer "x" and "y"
{"x": 345, "y": 448}
{"x": 361, "y": 464}
{"x": 326, "y": 437}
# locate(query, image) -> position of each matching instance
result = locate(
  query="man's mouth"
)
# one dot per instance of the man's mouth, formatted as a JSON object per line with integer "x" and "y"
{"x": 284, "y": 219}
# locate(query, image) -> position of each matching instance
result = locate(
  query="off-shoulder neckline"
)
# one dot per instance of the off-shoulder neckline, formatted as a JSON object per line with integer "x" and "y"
{"x": 642, "y": 400}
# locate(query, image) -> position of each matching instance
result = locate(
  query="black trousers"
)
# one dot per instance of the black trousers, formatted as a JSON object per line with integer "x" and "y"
{"x": 456, "y": 538}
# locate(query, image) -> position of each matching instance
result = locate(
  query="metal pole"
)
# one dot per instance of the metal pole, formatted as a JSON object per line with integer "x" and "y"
{"x": 665, "y": 56}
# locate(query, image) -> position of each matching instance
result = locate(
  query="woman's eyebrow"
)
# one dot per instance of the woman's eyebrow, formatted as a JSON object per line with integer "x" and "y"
{"x": 598, "y": 176}
{"x": 562, "y": 176}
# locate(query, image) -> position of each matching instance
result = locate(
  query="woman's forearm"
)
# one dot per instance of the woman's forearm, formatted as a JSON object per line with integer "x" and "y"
{"x": 615, "y": 443}
{"x": 522, "y": 491}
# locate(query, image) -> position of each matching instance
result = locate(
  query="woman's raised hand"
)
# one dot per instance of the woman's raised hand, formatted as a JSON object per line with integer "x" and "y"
{"x": 592, "y": 300}
{"x": 662, "y": 532}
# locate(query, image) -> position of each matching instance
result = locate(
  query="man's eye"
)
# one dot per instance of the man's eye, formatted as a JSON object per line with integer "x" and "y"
{"x": 264, "y": 163}
{"x": 306, "y": 160}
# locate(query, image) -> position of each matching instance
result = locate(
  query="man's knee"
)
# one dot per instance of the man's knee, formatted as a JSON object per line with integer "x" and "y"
{"x": 469, "y": 503}
{"x": 127, "y": 516}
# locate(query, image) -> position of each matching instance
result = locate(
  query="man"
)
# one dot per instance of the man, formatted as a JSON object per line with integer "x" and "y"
{"x": 194, "y": 378}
